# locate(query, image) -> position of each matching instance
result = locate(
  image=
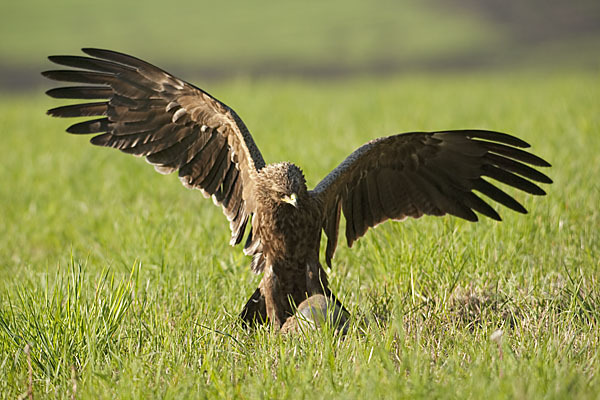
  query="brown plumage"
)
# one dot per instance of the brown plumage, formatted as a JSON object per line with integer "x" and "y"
{"x": 147, "y": 112}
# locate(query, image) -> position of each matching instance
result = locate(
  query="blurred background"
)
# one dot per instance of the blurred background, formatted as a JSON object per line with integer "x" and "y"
{"x": 218, "y": 40}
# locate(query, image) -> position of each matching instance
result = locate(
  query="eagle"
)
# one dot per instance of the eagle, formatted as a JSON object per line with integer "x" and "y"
{"x": 178, "y": 127}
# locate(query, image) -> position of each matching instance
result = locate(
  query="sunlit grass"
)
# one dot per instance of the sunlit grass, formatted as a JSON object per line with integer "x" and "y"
{"x": 124, "y": 277}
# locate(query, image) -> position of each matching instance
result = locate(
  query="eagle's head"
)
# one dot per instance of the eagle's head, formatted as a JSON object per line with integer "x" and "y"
{"x": 282, "y": 183}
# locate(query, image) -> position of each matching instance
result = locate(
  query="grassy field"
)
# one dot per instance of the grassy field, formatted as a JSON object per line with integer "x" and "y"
{"x": 120, "y": 283}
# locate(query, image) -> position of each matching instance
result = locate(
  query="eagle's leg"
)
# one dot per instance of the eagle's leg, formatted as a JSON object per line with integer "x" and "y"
{"x": 275, "y": 299}
{"x": 316, "y": 280}
{"x": 267, "y": 303}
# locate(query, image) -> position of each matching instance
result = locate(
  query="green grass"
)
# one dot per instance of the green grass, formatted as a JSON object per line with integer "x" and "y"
{"x": 122, "y": 282}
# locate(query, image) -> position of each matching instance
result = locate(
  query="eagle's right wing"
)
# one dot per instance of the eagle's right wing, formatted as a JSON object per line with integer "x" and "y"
{"x": 147, "y": 112}
{"x": 423, "y": 173}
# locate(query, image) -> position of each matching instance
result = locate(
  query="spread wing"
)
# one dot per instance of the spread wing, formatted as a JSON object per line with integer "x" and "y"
{"x": 147, "y": 112}
{"x": 415, "y": 174}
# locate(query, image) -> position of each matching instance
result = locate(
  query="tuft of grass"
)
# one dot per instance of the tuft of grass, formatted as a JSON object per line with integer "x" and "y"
{"x": 121, "y": 283}
{"x": 67, "y": 322}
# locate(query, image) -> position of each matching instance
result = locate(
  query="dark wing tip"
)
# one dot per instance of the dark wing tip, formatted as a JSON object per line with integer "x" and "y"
{"x": 93, "y": 50}
{"x": 70, "y": 129}
{"x": 493, "y": 136}
{"x": 503, "y": 138}
{"x": 471, "y": 216}
{"x": 112, "y": 55}
{"x": 55, "y": 59}
{"x": 519, "y": 208}
{"x": 75, "y": 129}
{"x": 495, "y": 216}
{"x": 491, "y": 213}
{"x": 54, "y": 112}
{"x": 538, "y": 161}
{"x": 54, "y": 93}
{"x": 101, "y": 140}
{"x": 98, "y": 53}
{"x": 544, "y": 163}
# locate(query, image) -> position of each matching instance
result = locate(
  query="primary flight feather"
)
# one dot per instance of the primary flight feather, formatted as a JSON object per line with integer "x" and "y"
{"x": 147, "y": 112}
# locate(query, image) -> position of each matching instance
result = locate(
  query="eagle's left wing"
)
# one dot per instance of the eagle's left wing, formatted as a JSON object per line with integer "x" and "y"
{"x": 422, "y": 173}
{"x": 148, "y": 112}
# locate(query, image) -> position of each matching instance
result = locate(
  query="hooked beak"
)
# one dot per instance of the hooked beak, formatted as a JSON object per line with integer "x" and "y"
{"x": 291, "y": 199}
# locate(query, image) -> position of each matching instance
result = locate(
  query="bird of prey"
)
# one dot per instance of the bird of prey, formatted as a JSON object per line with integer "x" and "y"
{"x": 147, "y": 112}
